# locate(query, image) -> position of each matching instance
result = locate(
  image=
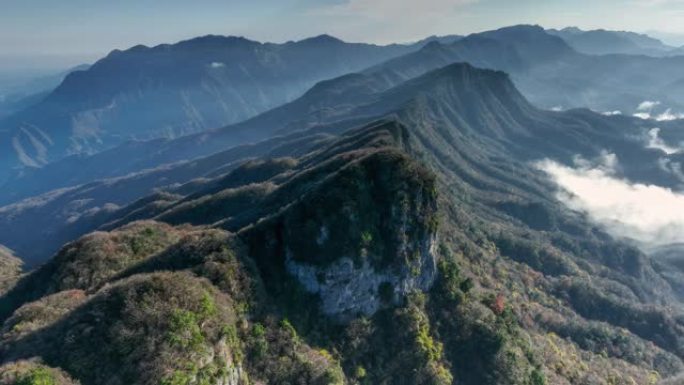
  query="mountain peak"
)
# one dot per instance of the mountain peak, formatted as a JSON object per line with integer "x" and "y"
{"x": 532, "y": 42}
{"x": 446, "y": 39}
{"x": 524, "y": 34}
{"x": 209, "y": 41}
{"x": 433, "y": 44}
{"x": 520, "y": 28}
{"x": 203, "y": 42}
{"x": 461, "y": 87}
{"x": 573, "y": 30}
{"x": 321, "y": 40}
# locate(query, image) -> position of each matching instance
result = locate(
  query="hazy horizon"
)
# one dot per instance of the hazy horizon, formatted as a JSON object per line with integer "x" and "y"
{"x": 42, "y": 36}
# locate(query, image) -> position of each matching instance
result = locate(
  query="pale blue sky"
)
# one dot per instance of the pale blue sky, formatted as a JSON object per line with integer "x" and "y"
{"x": 79, "y": 30}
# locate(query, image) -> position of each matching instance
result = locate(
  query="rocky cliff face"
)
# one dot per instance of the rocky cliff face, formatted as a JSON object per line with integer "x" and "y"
{"x": 347, "y": 289}
{"x": 364, "y": 238}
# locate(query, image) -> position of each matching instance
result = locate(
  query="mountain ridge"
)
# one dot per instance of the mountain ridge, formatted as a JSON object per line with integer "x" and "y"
{"x": 518, "y": 283}
{"x": 498, "y": 116}
{"x": 211, "y": 81}
{"x": 604, "y": 42}
{"x": 508, "y": 49}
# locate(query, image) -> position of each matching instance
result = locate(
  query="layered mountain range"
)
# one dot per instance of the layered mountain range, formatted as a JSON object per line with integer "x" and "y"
{"x": 388, "y": 226}
{"x": 172, "y": 90}
{"x": 544, "y": 67}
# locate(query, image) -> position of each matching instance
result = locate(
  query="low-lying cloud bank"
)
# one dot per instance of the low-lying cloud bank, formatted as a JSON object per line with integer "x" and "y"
{"x": 650, "y": 214}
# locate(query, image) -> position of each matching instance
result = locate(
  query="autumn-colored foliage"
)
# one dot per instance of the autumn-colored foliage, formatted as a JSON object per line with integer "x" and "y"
{"x": 499, "y": 304}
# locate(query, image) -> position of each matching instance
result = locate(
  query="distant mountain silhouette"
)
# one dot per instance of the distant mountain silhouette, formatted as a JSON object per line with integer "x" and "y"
{"x": 604, "y": 42}
{"x": 172, "y": 90}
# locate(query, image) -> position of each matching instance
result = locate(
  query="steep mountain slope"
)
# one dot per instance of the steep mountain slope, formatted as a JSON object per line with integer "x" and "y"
{"x": 414, "y": 244}
{"x": 10, "y": 269}
{"x": 258, "y": 348}
{"x": 171, "y": 90}
{"x": 489, "y": 110}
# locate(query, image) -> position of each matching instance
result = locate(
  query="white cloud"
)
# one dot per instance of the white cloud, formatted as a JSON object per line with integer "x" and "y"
{"x": 669, "y": 115}
{"x": 656, "y": 142}
{"x": 647, "y": 105}
{"x": 665, "y": 116}
{"x": 671, "y": 167}
{"x": 217, "y": 65}
{"x": 650, "y": 214}
{"x": 645, "y": 111}
{"x": 612, "y": 113}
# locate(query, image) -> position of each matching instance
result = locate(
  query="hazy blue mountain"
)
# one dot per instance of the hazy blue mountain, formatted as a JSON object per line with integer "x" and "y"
{"x": 510, "y": 49}
{"x": 569, "y": 79}
{"x": 18, "y": 95}
{"x": 547, "y": 71}
{"x": 171, "y": 90}
{"x": 491, "y": 111}
{"x": 604, "y": 42}
{"x": 446, "y": 39}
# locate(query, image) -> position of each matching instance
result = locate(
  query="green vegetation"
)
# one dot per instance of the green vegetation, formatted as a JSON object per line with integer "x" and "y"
{"x": 525, "y": 292}
{"x": 91, "y": 261}
{"x": 371, "y": 198}
{"x": 32, "y": 373}
{"x": 38, "y": 376}
{"x": 35, "y": 315}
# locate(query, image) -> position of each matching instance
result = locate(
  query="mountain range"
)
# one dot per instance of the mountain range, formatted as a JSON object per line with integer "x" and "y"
{"x": 172, "y": 90}
{"x": 604, "y": 42}
{"x": 546, "y": 69}
{"x": 387, "y": 226}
